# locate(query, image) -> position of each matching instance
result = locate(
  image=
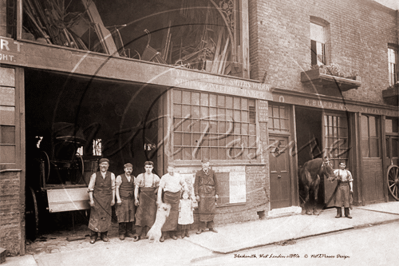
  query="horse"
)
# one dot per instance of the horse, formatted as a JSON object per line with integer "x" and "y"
{"x": 309, "y": 180}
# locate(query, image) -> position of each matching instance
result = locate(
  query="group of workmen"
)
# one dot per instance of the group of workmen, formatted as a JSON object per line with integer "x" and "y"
{"x": 137, "y": 199}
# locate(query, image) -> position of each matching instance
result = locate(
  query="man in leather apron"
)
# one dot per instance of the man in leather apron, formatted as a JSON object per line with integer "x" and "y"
{"x": 345, "y": 187}
{"x": 101, "y": 191}
{"x": 205, "y": 189}
{"x": 145, "y": 195}
{"x": 125, "y": 202}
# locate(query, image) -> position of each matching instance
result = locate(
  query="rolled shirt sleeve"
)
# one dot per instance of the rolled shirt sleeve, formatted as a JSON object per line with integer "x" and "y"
{"x": 162, "y": 183}
{"x": 92, "y": 183}
{"x": 113, "y": 181}
{"x": 350, "y": 178}
{"x": 118, "y": 181}
{"x": 156, "y": 180}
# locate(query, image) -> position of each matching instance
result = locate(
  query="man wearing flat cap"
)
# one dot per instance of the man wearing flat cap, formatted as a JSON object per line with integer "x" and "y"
{"x": 125, "y": 202}
{"x": 102, "y": 197}
{"x": 206, "y": 192}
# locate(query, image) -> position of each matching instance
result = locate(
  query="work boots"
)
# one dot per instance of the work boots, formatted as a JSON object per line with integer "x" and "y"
{"x": 122, "y": 231}
{"x": 104, "y": 236}
{"x": 93, "y": 237}
{"x": 129, "y": 229}
{"x": 339, "y": 212}
{"x": 347, "y": 214}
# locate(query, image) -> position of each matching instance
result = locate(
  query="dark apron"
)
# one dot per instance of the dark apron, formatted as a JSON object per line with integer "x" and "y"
{"x": 173, "y": 199}
{"x": 101, "y": 213}
{"x": 342, "y": 196}
{"x": 125, "y": 211}
{"x": 207, "y": 203}
{"x": 145, "y": 215}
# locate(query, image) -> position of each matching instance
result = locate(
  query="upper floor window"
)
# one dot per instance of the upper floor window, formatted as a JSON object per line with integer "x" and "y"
{"x": 8, "y": 21}
{"x": 392, "y": 58}
{"x": 318, "y": 44}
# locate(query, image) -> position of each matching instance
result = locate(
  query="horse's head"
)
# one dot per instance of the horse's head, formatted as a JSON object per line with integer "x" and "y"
{"x": 327, "y": 168}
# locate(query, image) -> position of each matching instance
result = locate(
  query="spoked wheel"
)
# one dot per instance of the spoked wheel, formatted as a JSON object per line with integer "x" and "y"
{"x": 393, "y": 181}
{"x": 31, "y": 214}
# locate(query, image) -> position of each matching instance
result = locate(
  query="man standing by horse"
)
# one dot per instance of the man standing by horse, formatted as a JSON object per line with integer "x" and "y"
{"x": 309, "y": 181}
{"x": 344, "y": 188}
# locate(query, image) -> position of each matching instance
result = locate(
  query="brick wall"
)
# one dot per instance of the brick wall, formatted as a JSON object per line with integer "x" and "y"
{"x": 256, "y": 199}
{"x": 257, "y": 187}
{"x": 359, "y": 30}
{"x": 10, "y": 229}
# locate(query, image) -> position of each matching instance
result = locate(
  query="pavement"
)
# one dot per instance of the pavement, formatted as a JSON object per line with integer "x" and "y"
{"x": 230, "y": 238}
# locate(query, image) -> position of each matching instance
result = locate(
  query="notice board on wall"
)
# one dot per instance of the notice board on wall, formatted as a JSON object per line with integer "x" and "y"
{"x": 231, "y": 183}
{"x": 223, "y": 188}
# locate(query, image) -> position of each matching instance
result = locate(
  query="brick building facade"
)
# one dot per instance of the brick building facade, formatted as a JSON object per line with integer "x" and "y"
{"x": 252, "y": 102}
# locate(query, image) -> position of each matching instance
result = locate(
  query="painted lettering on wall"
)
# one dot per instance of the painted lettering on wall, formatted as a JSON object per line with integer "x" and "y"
{"x": 242, "y": 84}
{"x": 377, "y": 111}
{"x": 8, "y": 48}
{"x": 206, "y": 85}
{"x": 263, "y": 111}
{"x": 325, "y": 104}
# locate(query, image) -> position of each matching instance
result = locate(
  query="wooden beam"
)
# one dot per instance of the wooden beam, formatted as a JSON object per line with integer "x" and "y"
{"x": 244, "y": 37}
{"x": 21, "y": 147}
{"x": 216, "y": 56}
{"x": 385, "y": 162}
{"x": 19, "y": 19}
{"x": 223, "y": 56}
{"x": 103, "y": 34}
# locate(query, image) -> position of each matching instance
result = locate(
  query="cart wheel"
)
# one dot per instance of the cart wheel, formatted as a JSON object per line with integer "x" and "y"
{"x": 393, "y": 181}
{"x": 31, "y": 214}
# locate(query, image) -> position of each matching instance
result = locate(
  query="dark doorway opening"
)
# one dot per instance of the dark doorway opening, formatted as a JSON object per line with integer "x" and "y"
{"x": 71, "y": 122}
{"x": 309, "y": 142}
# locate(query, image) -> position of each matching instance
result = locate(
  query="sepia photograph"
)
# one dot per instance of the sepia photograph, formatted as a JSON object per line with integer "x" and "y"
{"x": 199, "y": 132}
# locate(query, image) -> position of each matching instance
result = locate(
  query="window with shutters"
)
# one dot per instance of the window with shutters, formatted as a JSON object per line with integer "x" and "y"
{"x": 208, "y": 125}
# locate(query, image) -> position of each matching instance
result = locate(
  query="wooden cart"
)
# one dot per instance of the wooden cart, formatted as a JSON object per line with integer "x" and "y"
{"x": 58, "y": 183}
